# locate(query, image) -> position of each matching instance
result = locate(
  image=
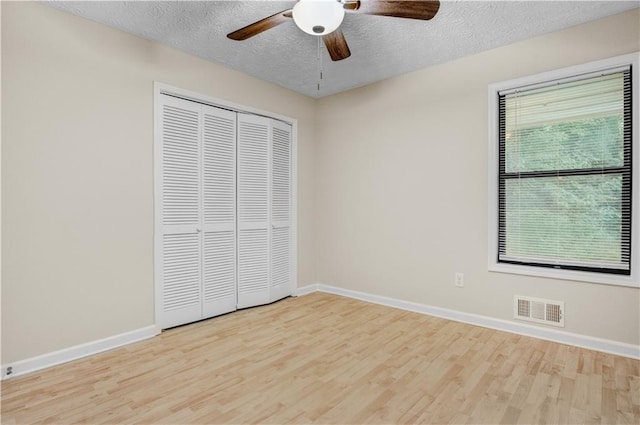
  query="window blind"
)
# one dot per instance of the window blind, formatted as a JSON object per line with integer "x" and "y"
{"x": 565, "y": 174}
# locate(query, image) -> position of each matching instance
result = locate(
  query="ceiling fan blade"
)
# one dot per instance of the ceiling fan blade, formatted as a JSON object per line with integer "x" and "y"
{"x": 261, "y": 26}
{"x": 414, "y": 9}
{"x": 337, "y": 45}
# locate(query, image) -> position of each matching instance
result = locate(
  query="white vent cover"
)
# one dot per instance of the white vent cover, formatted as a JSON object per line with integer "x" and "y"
{"x": 538, "y": 310}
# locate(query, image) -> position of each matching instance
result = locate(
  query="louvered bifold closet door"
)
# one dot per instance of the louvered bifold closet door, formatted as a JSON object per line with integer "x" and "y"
{"x": 253, "y": 210}
{"x": 219, "y": 206}
{"x": 281, "y": 230}
{"x": 179, "y": 260}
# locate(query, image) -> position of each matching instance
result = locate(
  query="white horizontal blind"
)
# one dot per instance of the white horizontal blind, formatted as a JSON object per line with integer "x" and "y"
{"x": 565, "y": 174}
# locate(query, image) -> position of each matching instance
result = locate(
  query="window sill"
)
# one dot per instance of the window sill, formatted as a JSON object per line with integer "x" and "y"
{"x": 586, "y": 277}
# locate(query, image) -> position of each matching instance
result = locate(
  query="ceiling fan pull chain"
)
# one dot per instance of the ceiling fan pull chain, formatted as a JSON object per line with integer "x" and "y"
{"x": 319, "y": 62}
{"x": 320, "y": 57}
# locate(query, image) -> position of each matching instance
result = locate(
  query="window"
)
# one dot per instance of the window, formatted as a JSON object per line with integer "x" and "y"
{"x": 563, "y": 164}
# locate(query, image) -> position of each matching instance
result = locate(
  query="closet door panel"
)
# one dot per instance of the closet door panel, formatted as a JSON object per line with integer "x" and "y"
{"x": 219, "y": 211}
{"x": 253, "y": 267}
{"x": 281, "y": 234}
{"x": 219, "y": 273}
{"x": 179, "y": 253}
{"x": 253, "y": 210}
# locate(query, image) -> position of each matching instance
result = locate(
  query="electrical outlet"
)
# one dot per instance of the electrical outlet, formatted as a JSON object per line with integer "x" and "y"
{"x": 459, "y": 280}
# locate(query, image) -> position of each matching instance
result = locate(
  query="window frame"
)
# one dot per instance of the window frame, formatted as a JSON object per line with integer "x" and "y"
{"x": 573, "y": 72}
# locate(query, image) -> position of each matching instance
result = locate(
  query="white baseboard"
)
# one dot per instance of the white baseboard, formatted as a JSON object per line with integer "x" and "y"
{"x": 33, "y": 364}
{"x": 562, "y": 337}
{"x": 304, "y": 290}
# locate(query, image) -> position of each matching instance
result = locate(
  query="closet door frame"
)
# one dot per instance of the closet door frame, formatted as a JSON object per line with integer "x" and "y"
{"x": 161, "y": 89}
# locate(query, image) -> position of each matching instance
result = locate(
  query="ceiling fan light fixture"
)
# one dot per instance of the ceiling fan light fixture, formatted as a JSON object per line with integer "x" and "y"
{"x": 318, "y": 17}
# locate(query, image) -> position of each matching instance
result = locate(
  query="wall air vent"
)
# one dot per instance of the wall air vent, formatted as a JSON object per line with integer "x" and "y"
{"x": 537, "y": 310}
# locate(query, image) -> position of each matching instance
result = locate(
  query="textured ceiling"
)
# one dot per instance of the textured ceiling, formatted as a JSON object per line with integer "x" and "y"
{"x": 381, "y": 47}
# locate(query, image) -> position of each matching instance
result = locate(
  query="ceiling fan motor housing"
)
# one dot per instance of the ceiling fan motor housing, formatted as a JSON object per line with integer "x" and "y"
{"x": 318, "y": 17}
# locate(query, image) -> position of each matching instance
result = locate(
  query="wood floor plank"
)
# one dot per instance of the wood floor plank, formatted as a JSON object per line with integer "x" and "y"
{"x": 327, "y": 359}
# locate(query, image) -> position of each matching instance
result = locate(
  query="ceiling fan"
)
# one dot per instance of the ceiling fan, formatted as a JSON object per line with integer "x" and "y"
{"x": 323, "y": 18}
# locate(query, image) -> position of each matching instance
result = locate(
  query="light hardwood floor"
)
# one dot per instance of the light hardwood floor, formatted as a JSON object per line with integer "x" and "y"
{"x": 322, "y": 358}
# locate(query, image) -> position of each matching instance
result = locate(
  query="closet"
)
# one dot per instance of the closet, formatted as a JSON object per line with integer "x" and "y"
{"x": 223, "y": 210}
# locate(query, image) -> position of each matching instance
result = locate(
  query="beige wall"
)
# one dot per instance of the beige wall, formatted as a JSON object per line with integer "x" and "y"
{"x": 378, "y": 209}
{"x": 77, "y": 173}
{"x": 401, "y": 180}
